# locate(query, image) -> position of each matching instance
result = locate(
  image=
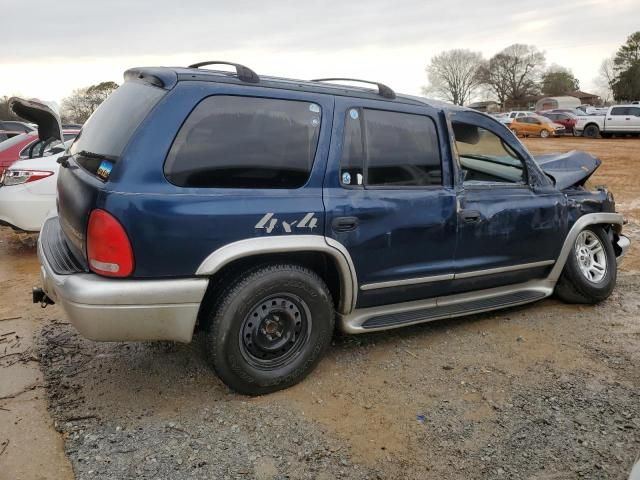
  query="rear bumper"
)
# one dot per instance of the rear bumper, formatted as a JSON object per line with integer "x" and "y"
{"x": 106, "y": 309}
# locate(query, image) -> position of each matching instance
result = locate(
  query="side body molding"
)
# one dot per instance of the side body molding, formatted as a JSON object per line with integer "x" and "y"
{"x": 285, "y": 244}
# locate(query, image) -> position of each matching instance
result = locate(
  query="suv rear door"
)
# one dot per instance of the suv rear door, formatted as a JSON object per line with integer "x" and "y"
{"x": 389, "y": 199}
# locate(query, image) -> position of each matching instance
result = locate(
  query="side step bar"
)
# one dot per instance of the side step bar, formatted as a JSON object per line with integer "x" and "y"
{"x": 409, "y": 313}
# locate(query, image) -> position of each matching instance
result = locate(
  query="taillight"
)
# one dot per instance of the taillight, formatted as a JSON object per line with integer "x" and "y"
{"x": 108, "y": 248}
{"x": 18, "y": 177}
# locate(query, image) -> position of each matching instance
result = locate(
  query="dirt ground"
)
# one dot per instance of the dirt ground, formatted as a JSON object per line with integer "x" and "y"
{"x": 546, "y": 391}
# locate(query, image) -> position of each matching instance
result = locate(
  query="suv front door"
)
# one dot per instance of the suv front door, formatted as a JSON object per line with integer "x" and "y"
{"x": 389, "y": 199}
{"x": 511, "y": 221}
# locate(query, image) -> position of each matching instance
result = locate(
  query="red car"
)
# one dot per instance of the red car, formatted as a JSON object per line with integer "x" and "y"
{"x": 566, "y": 119}
{"x": 26, "y": 145}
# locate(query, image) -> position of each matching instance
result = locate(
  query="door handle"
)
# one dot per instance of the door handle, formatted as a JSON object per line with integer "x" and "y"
{"x": 470, "y": 216}
{"x": 344, "y": 224}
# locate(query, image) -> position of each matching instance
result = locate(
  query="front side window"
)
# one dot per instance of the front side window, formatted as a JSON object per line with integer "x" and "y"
{"x": 245, "y": 142}
{"x": 485, "y": 157}
{"x": 390, "y": 149}
{"x": 619, "y": 111}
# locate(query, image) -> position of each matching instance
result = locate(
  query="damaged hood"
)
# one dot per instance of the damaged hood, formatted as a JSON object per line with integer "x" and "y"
{"x": 568, "y": 169}
{"x": 35, "y": 111}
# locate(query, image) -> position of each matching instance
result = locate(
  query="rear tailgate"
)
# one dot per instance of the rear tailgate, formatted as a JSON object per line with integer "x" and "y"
{"x": 95, "y": 152}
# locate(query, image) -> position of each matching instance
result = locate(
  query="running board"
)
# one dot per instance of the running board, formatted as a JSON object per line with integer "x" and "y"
{"x": 409, "y": 313}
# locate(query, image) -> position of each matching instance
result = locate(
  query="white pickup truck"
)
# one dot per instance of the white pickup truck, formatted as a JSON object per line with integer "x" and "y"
{"x": 619, "y": 119}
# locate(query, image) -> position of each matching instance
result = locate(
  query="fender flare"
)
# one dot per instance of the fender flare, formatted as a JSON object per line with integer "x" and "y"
{"x": 286, "y": 244}
{"x": 614, "y": 219}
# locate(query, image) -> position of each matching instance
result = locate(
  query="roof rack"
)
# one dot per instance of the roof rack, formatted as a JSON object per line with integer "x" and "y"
{"x": 244, "y": 73}
{"x": 383, "y": 90}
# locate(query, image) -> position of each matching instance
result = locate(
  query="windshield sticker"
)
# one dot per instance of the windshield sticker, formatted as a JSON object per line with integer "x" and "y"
{"x": 104, "y": 170}
{"x": 315, "y": 108}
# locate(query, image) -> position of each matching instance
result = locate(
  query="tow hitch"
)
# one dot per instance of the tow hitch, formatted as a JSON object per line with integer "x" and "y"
{"x": 39, "y": 296}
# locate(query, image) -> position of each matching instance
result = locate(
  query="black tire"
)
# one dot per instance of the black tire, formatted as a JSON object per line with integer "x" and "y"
{"x": 573, "y": 285}
{"x": 295, "y": 322}
{"x": 591, "y": 131}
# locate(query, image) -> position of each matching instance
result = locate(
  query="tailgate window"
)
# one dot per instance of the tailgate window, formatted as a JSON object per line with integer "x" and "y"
{"x": 107, "y": 132}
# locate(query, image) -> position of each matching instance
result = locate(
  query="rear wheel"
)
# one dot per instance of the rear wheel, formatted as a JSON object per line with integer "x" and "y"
{"x": 591, "y": 131}
{"x": 589, "y": 275}
{"x": 270, "y": 328}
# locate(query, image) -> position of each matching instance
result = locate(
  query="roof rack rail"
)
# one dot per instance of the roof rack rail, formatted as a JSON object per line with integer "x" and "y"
{"x": 383, "y": 90}
{"x": 244, "y": 73}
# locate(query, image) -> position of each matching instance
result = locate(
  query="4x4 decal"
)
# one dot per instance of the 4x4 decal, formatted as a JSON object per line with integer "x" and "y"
{"x": 269, "y": 223}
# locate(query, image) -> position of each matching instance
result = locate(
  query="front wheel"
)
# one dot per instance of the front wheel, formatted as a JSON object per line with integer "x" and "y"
{"x": 270, "y": 328}
{"x": 544, "y": 133}
{"x": 590, "y": 272}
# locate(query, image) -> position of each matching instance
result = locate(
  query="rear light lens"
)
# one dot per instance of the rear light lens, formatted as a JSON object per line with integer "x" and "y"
{"x": 18, "y": 177}
{"x": 108, "y": 248}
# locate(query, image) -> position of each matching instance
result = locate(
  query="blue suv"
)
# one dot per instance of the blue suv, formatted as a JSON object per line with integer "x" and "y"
{"x": 265, "y": 210}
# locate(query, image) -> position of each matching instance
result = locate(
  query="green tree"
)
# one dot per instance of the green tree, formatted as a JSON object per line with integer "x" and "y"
{"x": 626, "y": 65}
{"x": 82, "y": 102}
{"x": 453, "y": 75}
{"x": 558, "y": 81}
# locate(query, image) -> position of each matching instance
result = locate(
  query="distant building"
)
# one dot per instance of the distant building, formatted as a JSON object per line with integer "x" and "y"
{"x": 488, "y": 106}
{"x": 586, "y": 98}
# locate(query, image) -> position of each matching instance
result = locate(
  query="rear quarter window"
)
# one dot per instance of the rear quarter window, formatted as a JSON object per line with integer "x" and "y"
{"x": 109, "y": 129}
{"x": 245, "y": 142}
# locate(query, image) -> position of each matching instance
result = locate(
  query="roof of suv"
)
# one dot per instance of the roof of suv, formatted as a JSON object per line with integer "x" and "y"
{"x": 167, "y": 77}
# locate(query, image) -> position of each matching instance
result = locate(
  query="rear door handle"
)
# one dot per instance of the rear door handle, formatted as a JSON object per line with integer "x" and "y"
{"x": 344, "y": 224}
{"x": 470, "y": 216}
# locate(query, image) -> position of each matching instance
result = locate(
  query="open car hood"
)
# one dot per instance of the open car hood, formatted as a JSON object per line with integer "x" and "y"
{"x": 568, "y": 169}
{"x": 35, "y": 111}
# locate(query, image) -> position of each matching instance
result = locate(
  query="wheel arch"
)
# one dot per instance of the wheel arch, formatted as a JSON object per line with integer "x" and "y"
{"x": 605, "y": 219}
{"x": 327, "y": 257}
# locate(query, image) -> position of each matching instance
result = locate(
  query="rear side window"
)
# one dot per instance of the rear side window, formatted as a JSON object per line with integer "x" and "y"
{"x": 245, "y": 142}
{"x": 390, "y": 149}
{"x": 105, "y": 135}
{"x": 619, "y": 111}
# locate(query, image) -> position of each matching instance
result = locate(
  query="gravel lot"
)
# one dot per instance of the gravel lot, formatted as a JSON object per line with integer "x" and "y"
{"x": 546, "y": 391}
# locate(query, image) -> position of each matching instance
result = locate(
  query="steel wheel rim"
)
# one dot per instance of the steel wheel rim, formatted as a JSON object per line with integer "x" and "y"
{"x": 591, "y": 256}
{"x": 544, "y": 134}
{"x": 275, "y": 331}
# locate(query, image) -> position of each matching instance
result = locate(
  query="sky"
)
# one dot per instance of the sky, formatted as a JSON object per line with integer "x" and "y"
{"x": 54, "y": 47}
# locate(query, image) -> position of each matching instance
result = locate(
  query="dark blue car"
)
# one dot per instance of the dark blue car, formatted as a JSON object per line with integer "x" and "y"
{"x": 266, "y": 210}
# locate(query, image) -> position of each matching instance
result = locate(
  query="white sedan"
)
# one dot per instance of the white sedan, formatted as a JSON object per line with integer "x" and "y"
{"x": 28, "y": 192}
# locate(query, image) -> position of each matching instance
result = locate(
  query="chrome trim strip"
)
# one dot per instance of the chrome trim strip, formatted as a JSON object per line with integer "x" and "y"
{"x": 510, "y": 268}
{"x": 407, "y": 281}
{"x": 353, "y": 322}
{"x": 589, "y": 219}
{"x": 455, "y": 276}
{"x": 286, "y": 244}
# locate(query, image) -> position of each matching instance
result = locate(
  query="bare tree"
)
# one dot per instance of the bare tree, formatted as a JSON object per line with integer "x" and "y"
{"x": 604, "y": 80}
{"x": 514, "y": 73}
{"x": 82, "y": 102}
{"x": 453, "y": 75}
